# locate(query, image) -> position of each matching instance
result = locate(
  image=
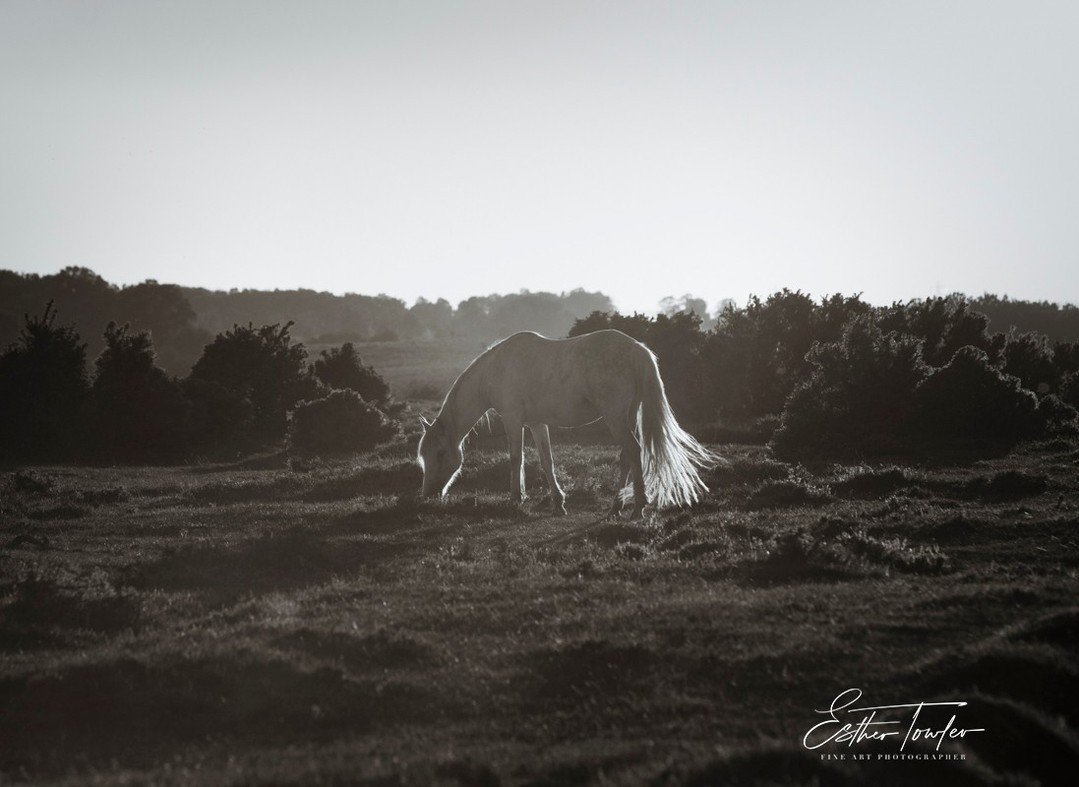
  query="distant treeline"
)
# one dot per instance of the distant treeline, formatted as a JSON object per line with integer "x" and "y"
{"x": 183, "y": 319}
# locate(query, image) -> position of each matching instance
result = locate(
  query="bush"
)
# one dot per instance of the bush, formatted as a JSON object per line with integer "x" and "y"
{"x": 341, "y": 367}
{"x": 969, "y": 399}
{"x": 944, "y": 325}
{"x": 219, "y": 421}
{"x": 341, "y": 422}
{"x": 139, "y": 412}
{"x": 264, "y": 366}
{"x": 44, "y": 392}
{"x": 859, "y": 395}
{"x": 1029, "y": 356}
{"x": 1069, "y": 389}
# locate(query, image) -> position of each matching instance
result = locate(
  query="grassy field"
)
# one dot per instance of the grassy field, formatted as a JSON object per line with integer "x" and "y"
{"x": 297, "y": 621}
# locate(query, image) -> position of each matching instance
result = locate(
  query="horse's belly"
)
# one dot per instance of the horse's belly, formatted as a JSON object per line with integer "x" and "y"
{"x": 572, "y": 412}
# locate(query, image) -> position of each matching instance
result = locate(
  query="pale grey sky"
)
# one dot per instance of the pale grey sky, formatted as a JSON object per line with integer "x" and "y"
{"x": 450, "y": 149}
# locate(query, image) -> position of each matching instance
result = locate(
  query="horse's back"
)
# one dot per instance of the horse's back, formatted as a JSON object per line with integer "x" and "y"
{"x": 564, "y": 382}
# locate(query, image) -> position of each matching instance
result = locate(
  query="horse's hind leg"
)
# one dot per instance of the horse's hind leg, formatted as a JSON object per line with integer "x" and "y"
{"x": 625, "y": 476}
{"x": 629, "y": 464}
{"x": 542, "y": 435}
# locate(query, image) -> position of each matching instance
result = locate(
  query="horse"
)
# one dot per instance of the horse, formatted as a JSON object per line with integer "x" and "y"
{"x": 535, "y": 382}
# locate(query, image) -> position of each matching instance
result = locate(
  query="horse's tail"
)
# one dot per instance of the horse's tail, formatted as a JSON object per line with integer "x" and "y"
{"x": 671, "y": 457}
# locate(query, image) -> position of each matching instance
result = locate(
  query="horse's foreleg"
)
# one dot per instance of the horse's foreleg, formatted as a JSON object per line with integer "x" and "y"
{"x": 515, "y": 434}
{"x": 542, "y": 435}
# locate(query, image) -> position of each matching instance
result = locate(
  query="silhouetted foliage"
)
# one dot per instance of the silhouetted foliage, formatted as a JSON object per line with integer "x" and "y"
{"x": 971, "y": 399}
{"x": 1029, "y": 356}
{"x": 220, "y": 420}
{"x": 1069, "y": 389}
{"x": 341, "y": 367}
{"x": 944, "y": 325}
{"x": 89, "y": 303}
{"x": 860, "y": 395}
{"x": 1060, "y": 322}
{"x": 757, "y": 354}
{"x": 44, "y": 392}
{"x": 264, "y": 366}
{"x": 340, "y": 422}
{"x": 139, "y": 413}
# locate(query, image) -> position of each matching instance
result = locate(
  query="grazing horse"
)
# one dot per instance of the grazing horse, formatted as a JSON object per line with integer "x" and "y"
{"x": 537, "y": 382}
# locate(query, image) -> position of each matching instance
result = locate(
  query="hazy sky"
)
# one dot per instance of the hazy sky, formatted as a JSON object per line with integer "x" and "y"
{"x": 451, "y": 149}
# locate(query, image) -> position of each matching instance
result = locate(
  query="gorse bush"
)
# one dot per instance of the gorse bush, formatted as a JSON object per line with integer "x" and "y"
{"x": 1030, "y": 357}
{"x": 139, "y": 412}
{"x": 341, "y": 368}
{"x": 264, "y": 366}
{"x": 971, "y": 399}
{"x": 860, "y": 393}
{"x": 340, "y": 422}
{"x": 44, "y": 392}
{"x": 219, "y": 419}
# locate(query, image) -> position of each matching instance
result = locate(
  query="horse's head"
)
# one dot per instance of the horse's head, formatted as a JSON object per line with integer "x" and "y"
{"x": 440, "y": 457}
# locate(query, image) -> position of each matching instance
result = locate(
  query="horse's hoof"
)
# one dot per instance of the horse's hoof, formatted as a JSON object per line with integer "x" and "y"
{"x": 559, "y": 510}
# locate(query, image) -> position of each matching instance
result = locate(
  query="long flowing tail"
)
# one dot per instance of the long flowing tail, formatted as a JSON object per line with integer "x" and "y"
{"x": 671, "y": 456}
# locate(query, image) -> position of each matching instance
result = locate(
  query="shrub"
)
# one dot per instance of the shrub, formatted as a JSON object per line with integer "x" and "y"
{"x": 1069, "y": 389}
{"x": 338, "y": 423}
{"x": 969, "y": 399}
{"x": 341, "y": 367}
{"x": 264, "y": 366}
{"x": 219, "y": 420}
{"x": 1029, "y": 356}
{"x": 139, "y": 412}
{"x": 944, "y": 325}
{"x": 859, "y": 395}
{"x": 44, "y": 392}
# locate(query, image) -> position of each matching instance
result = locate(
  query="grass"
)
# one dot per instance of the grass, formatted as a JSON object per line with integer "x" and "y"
{"x": 279, "y": 621}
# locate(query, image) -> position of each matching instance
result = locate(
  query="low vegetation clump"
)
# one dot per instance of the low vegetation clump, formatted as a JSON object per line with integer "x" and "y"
{"x": 340, "y": 422}
{"x": 785, "y": 493}
{"x": 836, "y": 553}
{"x": 868, "y": 482}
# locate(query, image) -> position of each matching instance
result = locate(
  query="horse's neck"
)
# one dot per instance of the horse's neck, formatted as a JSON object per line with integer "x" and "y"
{"x": 465, "y": 403}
